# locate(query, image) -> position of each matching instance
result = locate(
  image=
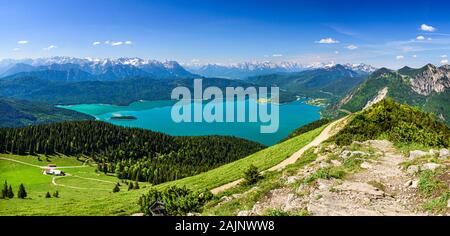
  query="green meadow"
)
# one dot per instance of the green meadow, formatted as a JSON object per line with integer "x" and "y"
{"x": 84, "y": 191}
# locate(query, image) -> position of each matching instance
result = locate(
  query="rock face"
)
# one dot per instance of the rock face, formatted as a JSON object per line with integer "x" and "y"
{"x": 431, "y": 79}
{"x": 380, "y": 96}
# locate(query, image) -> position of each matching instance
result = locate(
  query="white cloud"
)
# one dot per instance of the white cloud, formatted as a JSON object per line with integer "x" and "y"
{"x": 116, "y": 43}
{"x": 327, "y": 41}
{"x": 414, "y": 56}
{"x": 420, "y": 37}
{"x": 50, "y": 47}
{"x": 96, "y": 43}
{"x": 352, "y": 47}
{"x": 429, "y": 39}
{"x": 195, "y": 60}
{"x": 22, "y": 42}
{"x": 277, "y": 55}
{"x": 16, "y": 49}
{"x": 336, "y": 52}
{"x": 444, "y": 56}
{"x": 427, "y": 28}
{"x": 445, "y": 61}
{"x": 400, "y": 57}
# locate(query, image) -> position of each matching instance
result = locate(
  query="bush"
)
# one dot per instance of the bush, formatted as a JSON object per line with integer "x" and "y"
{"x": 178, "y": 201}
{"x": 251, "y": 175}
{"x": 48, "y": 195}
{"x": 116, "y": 188}
{"x": 56, "y": 194}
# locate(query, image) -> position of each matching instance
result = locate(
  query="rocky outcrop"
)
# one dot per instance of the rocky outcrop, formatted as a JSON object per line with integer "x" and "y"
{"x": 380, "y": 96}
{"x": 431, "y": 79}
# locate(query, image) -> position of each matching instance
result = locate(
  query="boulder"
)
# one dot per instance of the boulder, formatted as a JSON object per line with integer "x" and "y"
{"x": 244, "y": 213}
{"x": 430, "y": 166}
{"x": 417, "y": 153}
{"x": 292, "y": 179}
{"x": 409, "y": 183}
{"x": 412, "y": 170}
{"x": 415, "y": 183}
{"x": 336, "y": 163}
{"x": 444, "y": 153}
{"x": 366, "y": 165}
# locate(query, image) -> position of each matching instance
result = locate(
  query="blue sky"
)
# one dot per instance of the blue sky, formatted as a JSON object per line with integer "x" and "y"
{"x": 382, "y": 33}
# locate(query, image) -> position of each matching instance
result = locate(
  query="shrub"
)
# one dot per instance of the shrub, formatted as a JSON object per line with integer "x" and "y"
{"x": 251, "y": 175}
{"x": 178, "y": 201}
{"x": 116, "y": 188}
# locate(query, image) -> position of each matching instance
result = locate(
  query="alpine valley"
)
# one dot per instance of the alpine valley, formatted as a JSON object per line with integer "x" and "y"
{"x": 379, "y": 145}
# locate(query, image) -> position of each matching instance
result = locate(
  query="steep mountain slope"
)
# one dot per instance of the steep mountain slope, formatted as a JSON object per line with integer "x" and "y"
{"x": 427, "y": 87}
{"x": 330, "y": 83}
{"x": 16, "y": 113}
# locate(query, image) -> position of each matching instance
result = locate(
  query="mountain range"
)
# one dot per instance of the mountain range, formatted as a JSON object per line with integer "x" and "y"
{"x": 330, "y": 83}
{"x": 76, "y": 69}
{"x": 427, "y": 87}
{"x": 249, "y": 69}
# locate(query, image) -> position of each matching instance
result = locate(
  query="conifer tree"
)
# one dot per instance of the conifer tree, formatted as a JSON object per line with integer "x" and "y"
{"x": 136, "y": 185}
{"x": 22, "y": 193}
{"x": 4, "y": 190}
{"x": 48, "y": 195}
{"x": 130, "y": 186}
{"x": 10, "y": 193}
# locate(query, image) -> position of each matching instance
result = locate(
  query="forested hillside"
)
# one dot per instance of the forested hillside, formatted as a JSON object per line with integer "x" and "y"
{"x": 16, "y": 113}
{"x": 329, "y": 83}
{"x": 121, "y": 92}
{"x": 135, "y": 154}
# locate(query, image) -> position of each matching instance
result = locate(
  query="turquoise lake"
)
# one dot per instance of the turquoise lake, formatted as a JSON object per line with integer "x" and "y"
{"x": 156, "y": 116}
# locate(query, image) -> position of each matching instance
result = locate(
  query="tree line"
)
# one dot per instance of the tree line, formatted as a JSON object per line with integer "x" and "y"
{"x": 130, "y": 153}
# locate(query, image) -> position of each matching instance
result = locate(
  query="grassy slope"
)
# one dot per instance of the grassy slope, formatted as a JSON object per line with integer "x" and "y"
{"x": 100, "y": 200}
{"x": 233, "y": 171}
